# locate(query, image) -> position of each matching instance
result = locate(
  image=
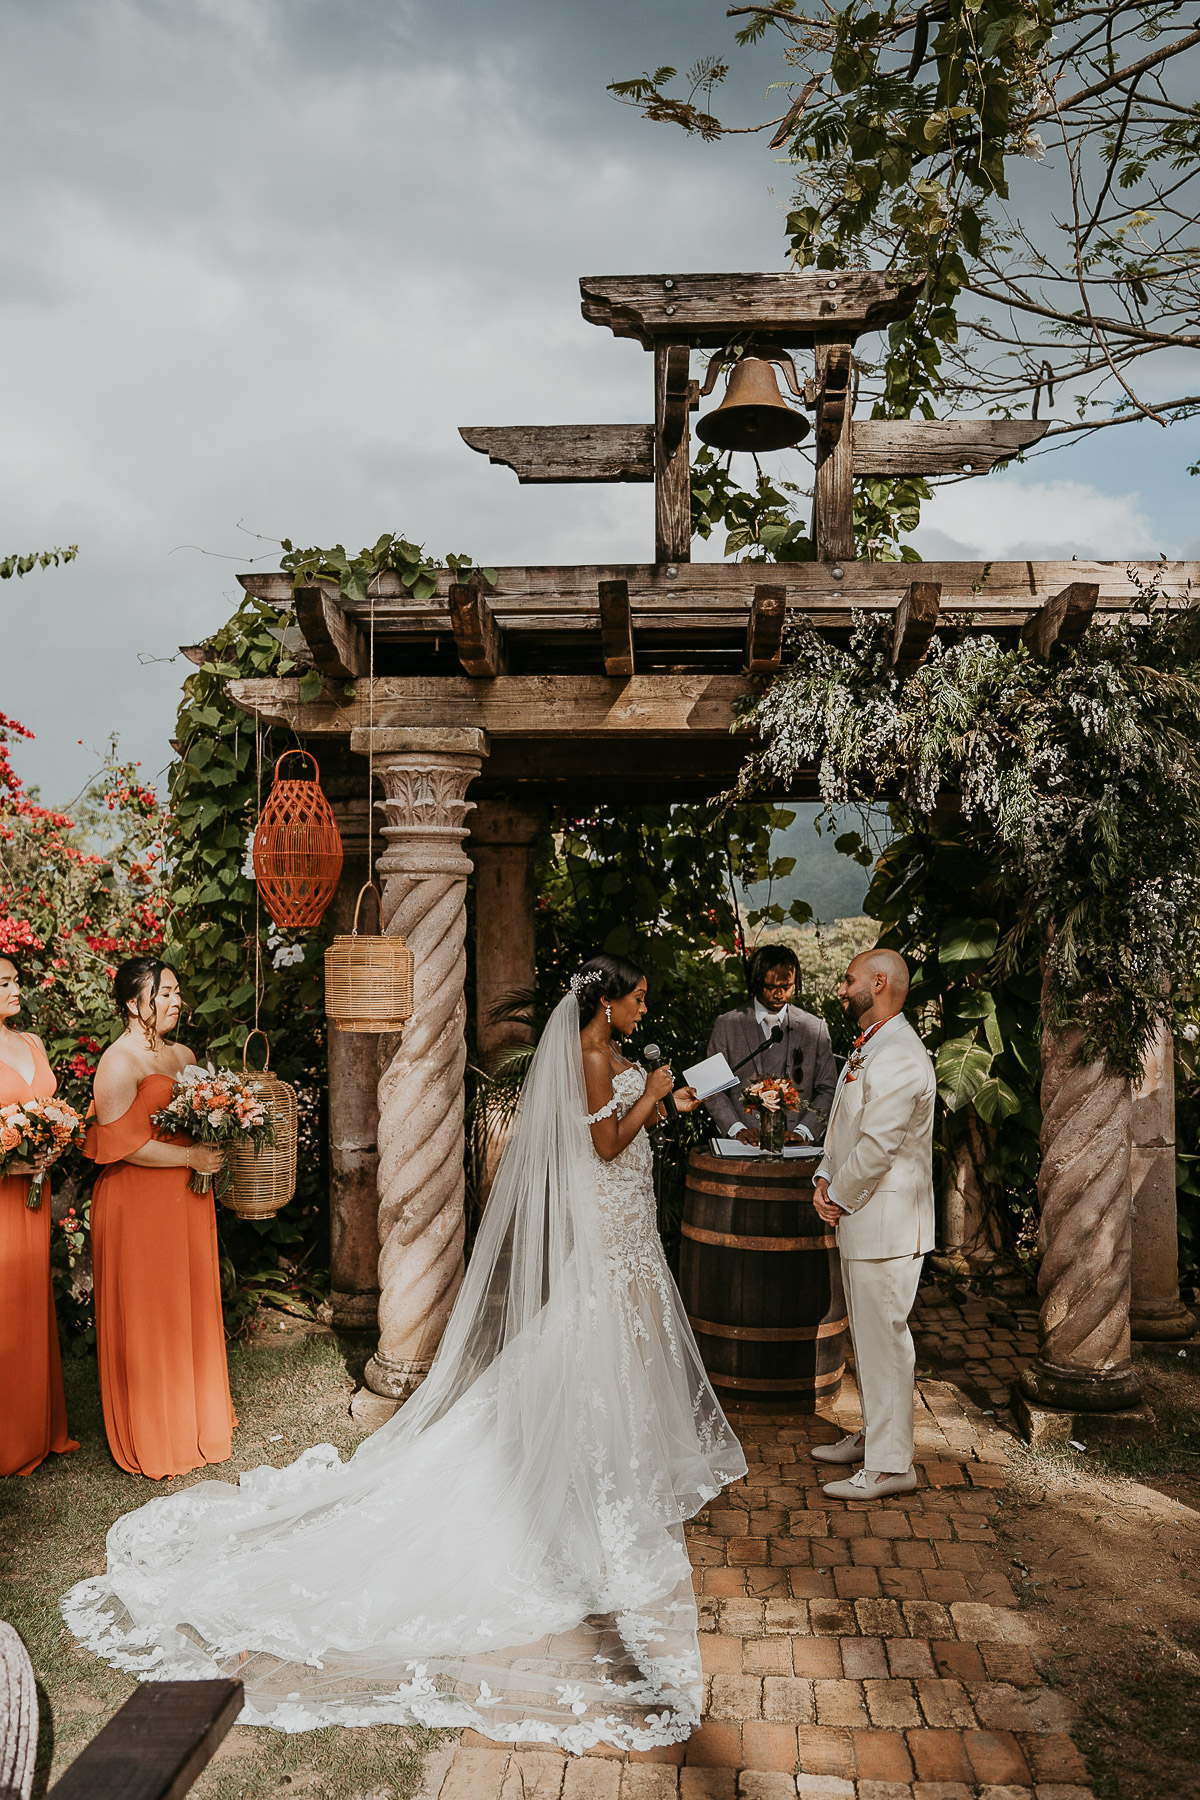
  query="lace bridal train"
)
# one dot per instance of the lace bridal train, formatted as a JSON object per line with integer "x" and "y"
{"x": 508, "y": 1551}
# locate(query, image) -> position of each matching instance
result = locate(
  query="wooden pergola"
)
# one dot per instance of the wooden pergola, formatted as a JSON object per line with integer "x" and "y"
{"x": 609, "y": 683}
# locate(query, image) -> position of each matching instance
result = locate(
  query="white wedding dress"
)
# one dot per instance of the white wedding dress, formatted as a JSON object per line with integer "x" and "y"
{"x": 508, "y": 1551}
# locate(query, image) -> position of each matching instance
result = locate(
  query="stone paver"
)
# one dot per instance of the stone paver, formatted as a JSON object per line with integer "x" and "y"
{"x": 850, "y": 1652}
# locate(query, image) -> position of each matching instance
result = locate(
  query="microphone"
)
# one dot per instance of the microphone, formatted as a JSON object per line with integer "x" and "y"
{"x": 775, "y": 1037}
{"x": 654, "y": 1056}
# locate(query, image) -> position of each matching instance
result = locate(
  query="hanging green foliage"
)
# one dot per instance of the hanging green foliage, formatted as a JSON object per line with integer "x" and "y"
{"x": 223, "y": 943}
{"x": 1082, "y": 771}
{"x": 939, "y": 900}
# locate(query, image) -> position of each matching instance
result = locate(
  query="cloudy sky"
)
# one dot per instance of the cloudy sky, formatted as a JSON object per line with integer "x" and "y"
{"x": 262, "y": 257}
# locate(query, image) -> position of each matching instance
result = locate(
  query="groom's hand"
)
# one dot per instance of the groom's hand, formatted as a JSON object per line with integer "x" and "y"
{"x": 826, "y": 1208}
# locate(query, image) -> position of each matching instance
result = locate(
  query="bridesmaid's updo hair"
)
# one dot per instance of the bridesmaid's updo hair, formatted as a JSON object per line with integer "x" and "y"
{"x": 132, "y": 980}
{"x": 603, "y": 978}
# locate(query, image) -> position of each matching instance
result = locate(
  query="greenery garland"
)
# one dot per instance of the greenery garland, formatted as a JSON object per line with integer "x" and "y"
{"x": 1079, "y": 775}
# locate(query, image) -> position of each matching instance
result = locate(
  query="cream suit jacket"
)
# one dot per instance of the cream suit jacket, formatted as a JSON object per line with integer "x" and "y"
{"x": 878, "y": 1156}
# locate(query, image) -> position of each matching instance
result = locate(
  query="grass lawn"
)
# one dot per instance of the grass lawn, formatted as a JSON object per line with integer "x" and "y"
{"x": 52, "y": 1530}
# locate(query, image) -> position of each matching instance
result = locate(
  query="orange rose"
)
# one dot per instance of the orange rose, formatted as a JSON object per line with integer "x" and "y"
{"x": 9, "y": 1139}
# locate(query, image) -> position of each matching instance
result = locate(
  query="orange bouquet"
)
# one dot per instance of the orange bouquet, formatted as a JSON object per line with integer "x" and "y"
{"x": 37, "y": 1128}
{"x": 215, "y": 1106}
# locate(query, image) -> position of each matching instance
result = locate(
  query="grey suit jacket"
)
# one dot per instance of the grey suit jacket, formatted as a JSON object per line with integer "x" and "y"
{"x": 804, "y": 1055}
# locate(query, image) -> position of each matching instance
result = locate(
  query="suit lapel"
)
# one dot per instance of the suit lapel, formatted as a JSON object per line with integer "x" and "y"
{"x": 752, "y": 1040}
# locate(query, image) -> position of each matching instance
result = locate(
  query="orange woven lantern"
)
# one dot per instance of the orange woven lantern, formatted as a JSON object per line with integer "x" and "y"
{"x": 297, "y": 849}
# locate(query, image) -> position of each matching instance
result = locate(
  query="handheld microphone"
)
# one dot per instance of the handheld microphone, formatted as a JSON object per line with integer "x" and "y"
{"x": 654, "y": 1056}
{"x": 775, "y": 1037}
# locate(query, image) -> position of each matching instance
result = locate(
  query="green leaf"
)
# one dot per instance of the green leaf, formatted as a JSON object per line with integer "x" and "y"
{"x": 968, "y": 940}
{"x": 962, "y": 1067}
{"x": 311, "y": 685}
{"x": 995, "y": 1101}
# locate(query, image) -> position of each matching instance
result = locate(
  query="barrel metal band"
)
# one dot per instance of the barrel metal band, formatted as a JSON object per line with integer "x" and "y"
{"x": 728, "y": 1241}
{"x": 768, "y": 1334}
{"x": 721, "y": 1190}
{"x": 759, "y": 1385}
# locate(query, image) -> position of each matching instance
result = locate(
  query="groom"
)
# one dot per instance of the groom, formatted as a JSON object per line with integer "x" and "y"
{"x": 875, "y": 1184}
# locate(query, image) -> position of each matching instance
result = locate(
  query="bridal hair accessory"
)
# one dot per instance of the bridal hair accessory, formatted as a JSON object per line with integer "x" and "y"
{"x": 579, "y": 982}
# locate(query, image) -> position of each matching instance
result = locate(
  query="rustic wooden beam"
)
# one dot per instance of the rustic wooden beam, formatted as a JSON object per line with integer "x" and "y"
{"x": 764, "y": 636}
{"x": 915, "y": 621}
{"x": 564, "y": 597}
{"x": 691, "y": 704}
{"x": 477, "y": 636}
{"x": 708, "y": 310}
{"x": 562, "y": 453}
{"x": 337, "y": 642}
{"x": 156, "y": 1745}
{"x": 833, "y": 490}
{"x": 672, "y": 455}
{"x": 940, "y": 446}
{"x": 616, "y": 627}
{"x": 1062, "y": 619}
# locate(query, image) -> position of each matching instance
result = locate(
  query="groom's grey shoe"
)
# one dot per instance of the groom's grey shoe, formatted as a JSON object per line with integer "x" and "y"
{"x": 867, "y": 1485}
{"x": 847, "y": 1450}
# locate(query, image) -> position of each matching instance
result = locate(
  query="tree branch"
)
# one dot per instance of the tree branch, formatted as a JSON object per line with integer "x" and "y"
{"x": 1122, "y": 75}
{"x": 1164, "y": 339}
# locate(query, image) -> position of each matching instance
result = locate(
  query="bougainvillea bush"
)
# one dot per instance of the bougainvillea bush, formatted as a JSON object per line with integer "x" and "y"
{"x": 80, "y": 891}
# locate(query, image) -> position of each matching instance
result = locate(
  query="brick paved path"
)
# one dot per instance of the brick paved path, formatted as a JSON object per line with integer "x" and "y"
{"x": 851, "y": 1652}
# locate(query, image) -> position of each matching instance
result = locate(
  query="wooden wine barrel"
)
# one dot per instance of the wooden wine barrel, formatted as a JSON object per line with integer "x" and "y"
{"x": 762, "y": 1282}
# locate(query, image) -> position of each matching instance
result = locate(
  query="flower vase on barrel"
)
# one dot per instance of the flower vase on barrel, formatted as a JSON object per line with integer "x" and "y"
{"x": 771, "y": 1097}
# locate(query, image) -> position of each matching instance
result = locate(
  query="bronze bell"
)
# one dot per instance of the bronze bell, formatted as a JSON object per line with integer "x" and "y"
{"x": 753, "y": 415}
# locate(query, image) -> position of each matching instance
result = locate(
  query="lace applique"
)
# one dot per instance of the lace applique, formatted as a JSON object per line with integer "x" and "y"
{"x": 605, "y": 1112}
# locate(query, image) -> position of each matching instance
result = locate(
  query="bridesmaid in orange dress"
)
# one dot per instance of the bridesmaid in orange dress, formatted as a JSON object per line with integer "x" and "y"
{"x": 33, "y": 1410}
{"x": 160, "y": 1335}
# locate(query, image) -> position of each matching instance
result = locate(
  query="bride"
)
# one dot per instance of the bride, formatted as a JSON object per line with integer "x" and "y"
{"x": 507, "y": 1552}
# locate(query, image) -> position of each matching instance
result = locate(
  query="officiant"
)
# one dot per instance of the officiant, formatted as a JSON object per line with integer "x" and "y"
{"x": 771, "y": 1036}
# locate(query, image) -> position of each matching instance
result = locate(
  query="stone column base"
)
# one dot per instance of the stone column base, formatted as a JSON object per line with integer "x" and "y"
{"x": 355, "y": 1311}
{"x": 395, "y": 1380}
{"x": 1165, "y": 1321}
{"x": 372, "y": 1410}
{"x": 1080, "y": 1390}
{"x": 1059, "y": 1425}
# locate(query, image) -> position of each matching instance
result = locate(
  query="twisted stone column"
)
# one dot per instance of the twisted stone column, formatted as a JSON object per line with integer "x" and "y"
{"x": 1085, "y": 1235}
{"x": 1156, "y": 1312}
{"x": 425, "y": 775}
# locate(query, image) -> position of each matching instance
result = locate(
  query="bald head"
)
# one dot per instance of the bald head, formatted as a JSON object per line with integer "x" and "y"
{"x": 874, "y": 986}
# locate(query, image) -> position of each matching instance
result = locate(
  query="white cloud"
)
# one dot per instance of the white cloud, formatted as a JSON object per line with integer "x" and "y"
{"x": 1015, "y": 516}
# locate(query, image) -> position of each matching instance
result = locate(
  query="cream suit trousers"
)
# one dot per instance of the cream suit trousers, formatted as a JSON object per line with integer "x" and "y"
{"x": 879, "y": 1297}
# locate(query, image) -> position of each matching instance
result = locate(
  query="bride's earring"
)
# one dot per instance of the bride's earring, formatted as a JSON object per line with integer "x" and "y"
{"x": 608, "y": 1012}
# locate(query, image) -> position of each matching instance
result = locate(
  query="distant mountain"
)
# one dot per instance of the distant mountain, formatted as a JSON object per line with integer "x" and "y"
{"x": 833, "y": 885}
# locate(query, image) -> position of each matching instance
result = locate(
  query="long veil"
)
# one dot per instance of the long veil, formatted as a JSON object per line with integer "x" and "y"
{"x": 507, "y": 1552}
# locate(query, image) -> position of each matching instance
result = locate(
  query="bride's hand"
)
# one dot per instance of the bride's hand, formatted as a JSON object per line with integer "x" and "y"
{"x": 659, "y": 1083}
{"x": 685, "y": 1100}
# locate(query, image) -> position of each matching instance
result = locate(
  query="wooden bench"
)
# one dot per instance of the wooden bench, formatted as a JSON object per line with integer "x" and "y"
{"x": 156, "y": 1745}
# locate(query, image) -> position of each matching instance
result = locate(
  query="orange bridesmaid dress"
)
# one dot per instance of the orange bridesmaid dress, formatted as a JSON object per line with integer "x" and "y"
{"x": 164, "y": 1383}
{"x": 33, "y": 1409}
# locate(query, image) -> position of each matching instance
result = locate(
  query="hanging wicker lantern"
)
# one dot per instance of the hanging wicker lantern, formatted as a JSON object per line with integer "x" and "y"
{"x": 264, "y": 1182}
{"x": 368, "y": 980}
{"x": 297, "y": 849}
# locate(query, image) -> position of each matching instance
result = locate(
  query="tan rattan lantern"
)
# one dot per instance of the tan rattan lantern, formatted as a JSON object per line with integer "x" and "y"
{"x": 368, "y": 980}
{"x": 297, "y": 849}
{"x": 264, "y": 1182}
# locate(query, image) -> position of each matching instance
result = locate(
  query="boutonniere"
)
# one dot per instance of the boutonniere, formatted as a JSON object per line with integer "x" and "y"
{"x": 857, "y": 1056}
